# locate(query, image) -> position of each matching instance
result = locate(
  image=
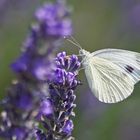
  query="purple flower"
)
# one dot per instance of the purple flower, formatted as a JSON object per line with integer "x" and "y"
{"x": 55, "y": 19}
{"x": 61, "y": 89}
{"x": 46, "y": 107}
{"x": 42, "y": 69}
{"x": 43, "y": 92}
{"x": 63, "y": 61}
{"x": 52, "y": 24}
{"x": 21, "y": 64}
{"x": 40, "y": 135}
{"x": 19, "y": 133}
{"x": 68, "y": 127}
{"x": 13, "y": 122}
{"x": 46, "y": 12}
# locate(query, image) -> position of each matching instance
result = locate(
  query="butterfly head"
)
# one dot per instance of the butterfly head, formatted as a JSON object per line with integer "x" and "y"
{"x": 83, "y": 52}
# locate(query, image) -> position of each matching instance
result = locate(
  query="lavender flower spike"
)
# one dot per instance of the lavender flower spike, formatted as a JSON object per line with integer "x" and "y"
{"x": 35, "y": 84}
{"x": 59, "y": 125}
{"x": 54, "y": 19}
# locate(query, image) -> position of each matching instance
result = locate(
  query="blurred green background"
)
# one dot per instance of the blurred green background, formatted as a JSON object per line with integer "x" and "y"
{"x": 97, "y": 24}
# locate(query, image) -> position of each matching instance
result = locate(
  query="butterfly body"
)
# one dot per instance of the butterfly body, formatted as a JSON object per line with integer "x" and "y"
{"x": 111, "y": 73}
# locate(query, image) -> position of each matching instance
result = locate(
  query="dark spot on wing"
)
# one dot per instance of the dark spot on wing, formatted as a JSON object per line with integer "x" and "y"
{"x": 129, "y": 68}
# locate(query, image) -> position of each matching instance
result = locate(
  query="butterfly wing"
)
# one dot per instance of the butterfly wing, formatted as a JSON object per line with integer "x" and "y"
{"x": 112, "y": 73}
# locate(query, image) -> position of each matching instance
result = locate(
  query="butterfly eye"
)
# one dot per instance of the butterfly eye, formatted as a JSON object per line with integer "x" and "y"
{"x": 129, "y": 68}
{"x": 81, "y": 52}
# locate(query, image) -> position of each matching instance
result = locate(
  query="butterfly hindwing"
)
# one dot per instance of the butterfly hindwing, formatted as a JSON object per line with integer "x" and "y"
{"x": 108, "y": 82}
{"x": 111, "y": 73}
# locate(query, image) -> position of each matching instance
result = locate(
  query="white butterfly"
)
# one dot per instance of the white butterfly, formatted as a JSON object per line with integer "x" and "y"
{"x": 111, "y": 73}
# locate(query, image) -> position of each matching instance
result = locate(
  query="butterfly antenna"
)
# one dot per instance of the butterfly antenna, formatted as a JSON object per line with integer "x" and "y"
{"x": 76, "y": 42}
{"x": 73, "y": 41}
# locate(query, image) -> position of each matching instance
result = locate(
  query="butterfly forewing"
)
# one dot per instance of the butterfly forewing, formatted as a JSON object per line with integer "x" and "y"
{"x": 127, "y": 60}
